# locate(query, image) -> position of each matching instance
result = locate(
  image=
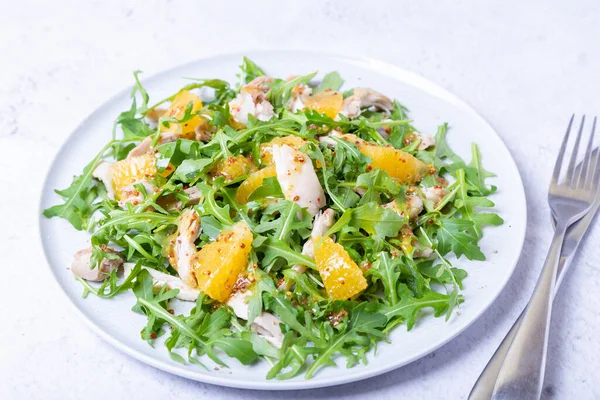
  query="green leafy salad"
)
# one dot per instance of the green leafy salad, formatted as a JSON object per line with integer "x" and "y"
{"x": 301, "y": 221}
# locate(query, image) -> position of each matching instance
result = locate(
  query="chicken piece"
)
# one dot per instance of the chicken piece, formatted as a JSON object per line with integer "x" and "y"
{"x": 427, "y": 141}
{"x": 424, "y": 252}
{"x": 146, "y": 145}
{"x": 160, "y": 279}
{"x": 365, "y": 98}
{"x": 414, "y": 206}
{"x": 321, "y": 224}
{"x": 102, "y": 173}
{"x": 252, "y": 100}
{"x": 153, "y": 115}
{"x": 434, "y": 193}
{"x": 299, "y": 95}
{"x": 259, "y": 84}
{"x": 323, "y": 221}
{"x": 243, "y": 105}
{"x": 327, "y": 139}
{"x": 187, "y": 233}
{"x": 202, "y": 135}
{"x": 130, "y": 194}
{"x": 265, "y": 325}
{"x": 82, "y": 265}
{"x": 385, "y": 131}
{"x": 297, "y": 178}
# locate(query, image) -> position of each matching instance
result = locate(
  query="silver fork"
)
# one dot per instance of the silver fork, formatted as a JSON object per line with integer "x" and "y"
{"x": 522, "y": 373}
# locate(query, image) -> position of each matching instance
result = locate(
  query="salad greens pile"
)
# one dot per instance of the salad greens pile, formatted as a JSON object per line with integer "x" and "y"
{"x": 404, "y": 260}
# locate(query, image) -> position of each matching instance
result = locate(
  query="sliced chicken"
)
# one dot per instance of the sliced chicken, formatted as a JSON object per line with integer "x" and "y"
{"x": 187, "y": 233}
{"x": 130, "y": 194}
{"x": 102, "y": 173}
{"x": 259, "y": 84}
{"x": 298, "y": 179}
{"x": 160, "y": 279}
{"x": 202, "y": 135}
{"x": 434, "y": 193}
{"x": 142, "y": 148}
{"x": 414, "y": 206}
{"x": 252, "y": 100}
{"x": 327, "y": 139}
{"x": 146, "y": 145}
{"x": 424, "y": 252}
{"x": 385, "y": 131}
{"x": 299, "y": 95}
{"x": 427, "y": 141}
{"x": 323, "y": 221}
{"x": 153, "y": 115}
{"x": 265, "y": 325}
{"x": 365, "y": 98}
{"x": 82, "y": 265}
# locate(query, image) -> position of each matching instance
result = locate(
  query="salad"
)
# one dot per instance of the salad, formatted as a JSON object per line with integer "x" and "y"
{"x": 300, "y": 221}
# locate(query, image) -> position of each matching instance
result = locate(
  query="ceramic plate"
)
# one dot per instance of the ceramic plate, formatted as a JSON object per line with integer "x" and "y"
{"x": 429, "y": 106}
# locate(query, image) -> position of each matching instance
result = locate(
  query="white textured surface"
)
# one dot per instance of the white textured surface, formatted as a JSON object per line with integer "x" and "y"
{"x": 525, "y": 67}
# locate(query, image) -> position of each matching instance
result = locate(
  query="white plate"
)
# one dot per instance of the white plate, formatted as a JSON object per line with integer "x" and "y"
{"x": 430, "y": 106}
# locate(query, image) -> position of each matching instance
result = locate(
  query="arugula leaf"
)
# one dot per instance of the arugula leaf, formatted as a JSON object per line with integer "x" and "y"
{"x": 376, "y": 220}
{"x": 189, "y": 170}
{"x": 376, "y": 183}
{"x": 281, "y": 91}
{"x": 269, "y": 188}
{"x": 250, "y": 70}
{"x": 440, "y": 274}
{"x": 408, "y": 306}
{"x": 79, "y": 197}
{"x": 138, "y": 88}
{"x": 442, "y": 149}
{"x": 387, "y": 270}
{"x": 459, "y": 236}
{"x": 466, "y": 205}
{"x": 114, "y": 288}
{"x": 363, "y": 321}
{"x": 476, "y": 174}
{"x": 290, "y": 218}
{"x": 331, "y": 81}
{"x": 236, "y": 348}
{"x": 274, "y": 249}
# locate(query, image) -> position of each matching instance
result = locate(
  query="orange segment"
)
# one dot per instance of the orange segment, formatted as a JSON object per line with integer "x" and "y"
{"x": 131, "y": 170}
{"x": 327, "y": 102}
{"x": 341, "y": 276}
{"x": 232, "y": 167}
{"x": 253, "y": 182}
{"x": 397, "y": 163}
{"x": 266, "y": 149}
{"x": 177, "y": 110}
{"x": 218, "y": 264}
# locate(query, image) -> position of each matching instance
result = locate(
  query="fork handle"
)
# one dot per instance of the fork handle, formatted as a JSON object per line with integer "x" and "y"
{"x": 522, "y": 373}
{"x": 484, "y": 387}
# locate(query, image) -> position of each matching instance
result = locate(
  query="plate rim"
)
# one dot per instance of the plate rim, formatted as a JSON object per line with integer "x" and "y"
{"x": 375, "y": 65}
